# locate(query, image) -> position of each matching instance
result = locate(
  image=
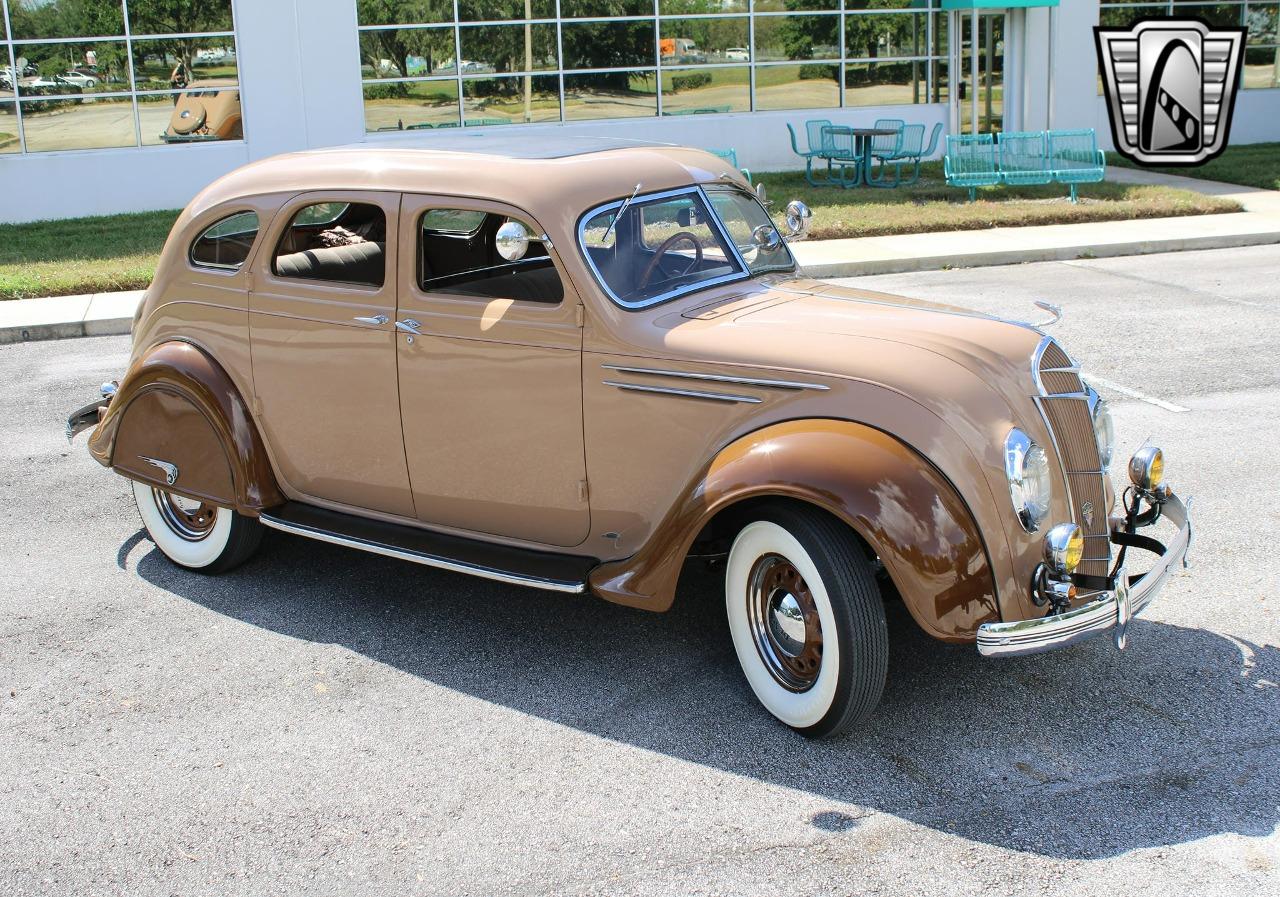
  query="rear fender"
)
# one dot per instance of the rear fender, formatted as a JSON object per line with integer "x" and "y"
{"x": 179, "y": 423}
{"x": 908, "y": 513}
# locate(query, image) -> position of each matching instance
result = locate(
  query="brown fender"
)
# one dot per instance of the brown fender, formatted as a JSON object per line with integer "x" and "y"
{"x": 909, "y": 514}
{"x": 177, "y": 405}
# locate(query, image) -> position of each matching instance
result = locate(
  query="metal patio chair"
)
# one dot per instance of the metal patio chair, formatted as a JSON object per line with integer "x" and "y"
{"x": 912, "y": 151}
{"x": 814, "y": 148}
{"x": 731, "y": 156}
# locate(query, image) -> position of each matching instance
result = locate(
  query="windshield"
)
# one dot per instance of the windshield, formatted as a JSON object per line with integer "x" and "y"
{"x": 654, "y": 248}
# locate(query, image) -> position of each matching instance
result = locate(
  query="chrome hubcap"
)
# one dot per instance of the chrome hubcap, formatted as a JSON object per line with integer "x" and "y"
{"x": 187, "y": 518}
{"x": 784, "y": 622}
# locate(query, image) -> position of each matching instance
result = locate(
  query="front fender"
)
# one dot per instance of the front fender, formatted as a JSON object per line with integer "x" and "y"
{"x": 177, "y": 405}
{"x": 908, "y": 512}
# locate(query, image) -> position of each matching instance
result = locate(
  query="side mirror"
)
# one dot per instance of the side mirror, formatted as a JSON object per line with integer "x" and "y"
{"x": 760, "y": 195}
{"x": 799, "y": 220}
{"x": 512, "y": 241}
{"x": 766, "y": 238}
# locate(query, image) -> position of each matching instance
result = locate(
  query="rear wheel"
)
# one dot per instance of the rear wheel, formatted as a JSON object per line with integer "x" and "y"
{"x": 196, "y": 535}
{"x": 807, "y": 620}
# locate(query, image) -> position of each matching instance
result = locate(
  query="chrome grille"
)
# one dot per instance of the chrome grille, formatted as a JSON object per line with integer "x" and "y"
{"x": 1066, "y": 412}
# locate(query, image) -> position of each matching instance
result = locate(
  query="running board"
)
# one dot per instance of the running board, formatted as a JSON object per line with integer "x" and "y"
{"x": 502, "y": 563}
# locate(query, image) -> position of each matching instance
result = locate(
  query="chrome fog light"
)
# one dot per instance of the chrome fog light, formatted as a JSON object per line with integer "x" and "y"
{"x": 1063, "y": 548}
{"x": 1146, "y": 468}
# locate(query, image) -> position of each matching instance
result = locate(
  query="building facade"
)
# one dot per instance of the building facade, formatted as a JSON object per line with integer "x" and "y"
{"x": 124, "y": 105}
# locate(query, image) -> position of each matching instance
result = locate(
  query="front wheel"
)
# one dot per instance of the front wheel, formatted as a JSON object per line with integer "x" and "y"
{"x": 196, "y": 535}
{"x": 807, "y": 620}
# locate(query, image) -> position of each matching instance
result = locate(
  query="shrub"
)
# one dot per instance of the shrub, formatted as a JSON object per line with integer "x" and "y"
{"x": 690, "y": 81}
{"x": 396, "y": 90}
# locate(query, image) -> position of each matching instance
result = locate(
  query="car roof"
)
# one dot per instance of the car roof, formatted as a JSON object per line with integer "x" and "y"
{"x": 542, "y": 175}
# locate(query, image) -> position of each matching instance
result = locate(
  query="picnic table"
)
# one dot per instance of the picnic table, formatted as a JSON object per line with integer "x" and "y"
{"x": 845, "y": 145}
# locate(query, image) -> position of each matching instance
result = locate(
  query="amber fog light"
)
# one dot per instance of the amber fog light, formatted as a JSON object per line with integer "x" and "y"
{"x": 1146, "y": 468}
{"x": 1063, "y": 548}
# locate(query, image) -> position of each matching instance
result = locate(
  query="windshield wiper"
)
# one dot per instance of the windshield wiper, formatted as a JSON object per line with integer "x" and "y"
{"x": 622, "y": 208}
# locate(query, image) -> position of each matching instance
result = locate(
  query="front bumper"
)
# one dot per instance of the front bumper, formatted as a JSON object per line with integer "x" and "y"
{"x": 1111, "y": 610}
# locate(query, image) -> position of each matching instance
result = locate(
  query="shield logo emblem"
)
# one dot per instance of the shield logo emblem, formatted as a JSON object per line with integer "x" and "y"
{"x": 1086, "y": 511}
{"x": 1171, "y": 87}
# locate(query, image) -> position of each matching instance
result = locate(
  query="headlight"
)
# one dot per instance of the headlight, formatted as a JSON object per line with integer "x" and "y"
{"x": 1104, "y": 429}
{"x": 1146, "y": 467}
{"x": 1027, "y": 468}
{"x": 1063, "y": 548}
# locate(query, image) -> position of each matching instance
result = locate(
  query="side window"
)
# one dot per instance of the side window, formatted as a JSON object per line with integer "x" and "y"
{"x": 227, "y": 243}
{"x": 343, "y": 242}
{"x": 458, "y": 254}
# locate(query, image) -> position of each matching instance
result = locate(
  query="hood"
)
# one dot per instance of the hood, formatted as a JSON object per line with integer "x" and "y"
{"x": 822, "y": 328}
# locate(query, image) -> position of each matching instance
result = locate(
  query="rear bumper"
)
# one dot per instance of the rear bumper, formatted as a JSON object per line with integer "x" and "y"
{"x": 87, "y": 417}
{"x": 1110, "y": 611}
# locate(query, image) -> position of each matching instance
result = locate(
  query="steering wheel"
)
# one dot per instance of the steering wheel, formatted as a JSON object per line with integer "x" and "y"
{"x": 665, "y": 248}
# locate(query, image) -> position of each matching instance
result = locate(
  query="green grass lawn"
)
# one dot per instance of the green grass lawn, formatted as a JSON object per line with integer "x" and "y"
{"x": 1252, "y": 165}
{"x": 119, "y": 252}
{"x": 81, "y": 255}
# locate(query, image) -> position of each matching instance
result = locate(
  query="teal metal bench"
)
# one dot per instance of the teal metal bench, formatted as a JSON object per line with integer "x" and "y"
{"x": 1075, "y": 159}
{"x": 971, "y": 162}
{"x": 1023, "y": 159}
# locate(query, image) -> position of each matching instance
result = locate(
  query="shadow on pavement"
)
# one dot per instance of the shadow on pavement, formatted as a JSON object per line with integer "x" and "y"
{"x": 1082, "y": 753}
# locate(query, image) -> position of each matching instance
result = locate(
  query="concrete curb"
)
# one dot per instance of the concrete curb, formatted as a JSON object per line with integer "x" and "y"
{"x": 63, "y": 317}
{"x": 1071, "y": 252}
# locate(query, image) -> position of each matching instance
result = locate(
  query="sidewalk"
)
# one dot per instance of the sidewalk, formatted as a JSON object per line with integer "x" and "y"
{"x": 104, "y": 314}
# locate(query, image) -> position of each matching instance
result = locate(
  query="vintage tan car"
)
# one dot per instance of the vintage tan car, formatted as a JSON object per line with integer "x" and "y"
{"x": 207, "y": 110}
{"x": 578, "y": 368}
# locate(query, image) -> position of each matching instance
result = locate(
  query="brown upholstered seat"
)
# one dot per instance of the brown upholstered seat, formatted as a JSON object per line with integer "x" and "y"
{"x": 356, "y": 263}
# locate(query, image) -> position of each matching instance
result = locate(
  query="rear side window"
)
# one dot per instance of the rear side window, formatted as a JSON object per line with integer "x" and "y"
{"x": 458, "y": 255}
{"x": 335, "y": 241}
{"x": 227, "y": 243}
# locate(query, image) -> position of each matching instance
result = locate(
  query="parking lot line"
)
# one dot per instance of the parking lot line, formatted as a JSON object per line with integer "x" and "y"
{"x": 1133, "y": 393}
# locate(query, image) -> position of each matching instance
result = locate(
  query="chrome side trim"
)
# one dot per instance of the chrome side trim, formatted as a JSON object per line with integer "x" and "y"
{"x": 418, "y": 557}
{"x": 717, "y": 378}
{"x": 686, "y": 393}
{"x": 1109, "y": 611}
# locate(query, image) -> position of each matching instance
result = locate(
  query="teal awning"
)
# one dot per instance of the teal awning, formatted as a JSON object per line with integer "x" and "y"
{"x": 995, "y": 4}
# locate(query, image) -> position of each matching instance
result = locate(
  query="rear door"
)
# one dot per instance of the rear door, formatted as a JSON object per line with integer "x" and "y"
{"x": 324, "y": 350}
{"x": 491, "y": 389}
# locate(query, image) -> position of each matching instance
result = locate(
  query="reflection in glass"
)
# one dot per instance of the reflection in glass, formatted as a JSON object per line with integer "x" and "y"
{"x": 178, "y": 63}
{"x": 406, "y": 53}
{"x": 797, "y": 37}
{"x": 599, "y": 9}
{"x": 705, "y": 91}
{"x": 1261, "y": 67}
{"x": 808, "y": 86}
{"x": 508, "y": 48}
{"x": 896, "y": 34}
{"x": 501, "y": 101}
{"x": 697, "y": 41}
{"x": 610, "y": 95}
{"x": 51, "y": 125}
{"x": 9, "y": 141}
{"x": 176, "y": 18}
{"x": 885, "y": 83}
{"x": 1261, "y": 20}
{"x": 502, "y": 10}
{"x": 91, "y": 67}
{"x": 597, "y": 45}
{"x": 65, "y": 18}
{"x": 693, "y": 7}
{"x": 796, "y": 6}
{"x": 404, "y": 12}
{"x": 407, "y": 106}
{"x": 192, "y": 116}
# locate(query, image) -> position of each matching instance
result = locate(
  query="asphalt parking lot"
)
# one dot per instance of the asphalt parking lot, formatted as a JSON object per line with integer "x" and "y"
{"x": 328, "y": 722}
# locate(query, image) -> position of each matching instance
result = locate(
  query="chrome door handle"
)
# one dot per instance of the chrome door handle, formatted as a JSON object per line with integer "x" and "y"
{"x": 376, "y": 319}
{"x": 409, "y": 325}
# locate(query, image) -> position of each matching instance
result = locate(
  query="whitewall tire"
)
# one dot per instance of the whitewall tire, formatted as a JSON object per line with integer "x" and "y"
{"x": 195, "y": 535}
{"x": 807, "y": 620}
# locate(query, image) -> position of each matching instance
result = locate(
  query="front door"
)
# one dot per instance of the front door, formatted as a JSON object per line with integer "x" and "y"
{"x": 491, "y": 383}
{"x": 980, "y": 74}
{"x": 324, "y": 351}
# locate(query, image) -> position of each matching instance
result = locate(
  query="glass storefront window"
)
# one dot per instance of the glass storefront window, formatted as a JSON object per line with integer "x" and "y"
{"x": 87, "y": 79}
{"x": 408, "y": 106}
{"x": 504, "y": 101}
{"x": 606, "y": 59}
{"x": 705, "y": 91}
{"x": 10, "y": 142}
{"x": 610, "y": 95}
